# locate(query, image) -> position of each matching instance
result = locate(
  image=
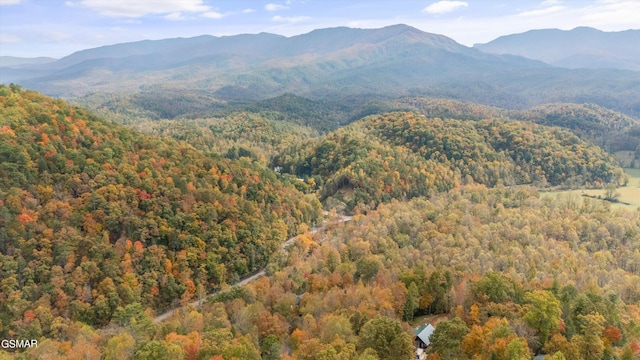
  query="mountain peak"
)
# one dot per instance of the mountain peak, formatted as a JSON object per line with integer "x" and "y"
{"x": 402, "y": 27}
{"x": 410, "y": 34}
{"x": 586, "y": 28}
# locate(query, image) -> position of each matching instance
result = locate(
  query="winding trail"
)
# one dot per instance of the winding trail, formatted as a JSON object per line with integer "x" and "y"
{"x": 164, "y": 316}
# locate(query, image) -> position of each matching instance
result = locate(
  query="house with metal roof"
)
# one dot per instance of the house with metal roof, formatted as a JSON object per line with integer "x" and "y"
{"x": 422, "y": 336}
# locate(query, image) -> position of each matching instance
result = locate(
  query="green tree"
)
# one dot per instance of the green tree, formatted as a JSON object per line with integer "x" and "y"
{"x": 368, "y": 267}
{"x": 543, "y": 314}
{"x": 610, "y": 192}
{"x": 497, "y": 288}
{"x": 270, "y": 348}
{"x": 357, "y": 320}
{"x": 159, "y": 350}
{"x": 590, "y": 342}
{"x": 120, "y": 347}
{"x": 558, "y": 356}
{"x": 446, "y": 339}
{"x": 517, "y": 349}
{"x": 412, "y": 302}
{"x": 386, "y": 336}
{"x": 241, "y": 348}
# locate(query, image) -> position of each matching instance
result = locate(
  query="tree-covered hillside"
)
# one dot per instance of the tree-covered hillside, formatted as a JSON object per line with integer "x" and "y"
{"x": 258, "y": 136}
{"x": 608, "y": 129}
{"x": 507, "y": 274}
{"x": 615, "y": 132}
{"x": 404, "y": 155}
{"x": 611, "y": 130}
{"x": 516, "y": 276}
{"x": 95, "y": 217}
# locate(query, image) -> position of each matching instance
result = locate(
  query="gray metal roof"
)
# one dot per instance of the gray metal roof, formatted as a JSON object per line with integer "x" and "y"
{"x": 424, "y": 332}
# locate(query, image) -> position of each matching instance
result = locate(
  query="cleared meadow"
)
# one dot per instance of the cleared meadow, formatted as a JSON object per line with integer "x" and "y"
{"x": 629, "y": 194}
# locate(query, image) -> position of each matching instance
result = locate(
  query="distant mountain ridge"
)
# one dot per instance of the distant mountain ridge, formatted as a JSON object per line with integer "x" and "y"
{"x": 244, "y": 48}
{"x": 582, "y": 47}
{"x": 15, "y": 61}
{"x": 334, "y": 63}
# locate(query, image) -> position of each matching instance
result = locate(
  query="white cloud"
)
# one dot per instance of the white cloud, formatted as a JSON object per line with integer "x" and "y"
{"x": 58, "y": 36}
{"x": 7, "y": 38}
{"x": 175, "y": 16}
{"x": 444, "y": 6}
{"x": 622, "y": 14}
{"x": 248, "y": 11}
{"x": 213, "y": 15}
{"x": 132, "y": 9}
{"x": 540, "y": 12}
{"x": 290, "y": 19}
{"x": 129, "y": 21}
{"x": 274, "y": 7}
{"x": 603, "y": 15}
{"x": 10, "y": 2}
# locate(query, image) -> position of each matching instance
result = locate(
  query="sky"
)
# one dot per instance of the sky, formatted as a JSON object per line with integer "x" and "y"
{"x": 56, "y": 28}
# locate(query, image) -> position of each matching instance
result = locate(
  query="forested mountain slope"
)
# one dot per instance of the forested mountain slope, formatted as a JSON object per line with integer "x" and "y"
{"x": 95, "y": 217}
{"x": 258, "y": 136}
{"x": 403, "y": 155}
{"x": 290, "y": 117}
{"x": 326, "y": 64}
{"x": 608, "y": 129}
{"x": 611, "y": 130}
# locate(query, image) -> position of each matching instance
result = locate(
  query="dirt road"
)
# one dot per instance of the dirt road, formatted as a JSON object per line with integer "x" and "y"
{"x": 164, "y": 316}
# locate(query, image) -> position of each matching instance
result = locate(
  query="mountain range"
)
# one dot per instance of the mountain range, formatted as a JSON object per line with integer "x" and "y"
{"x": 329, "y": 64}
{"x": 14, "y": 61}
{"x": 582, "y": 47}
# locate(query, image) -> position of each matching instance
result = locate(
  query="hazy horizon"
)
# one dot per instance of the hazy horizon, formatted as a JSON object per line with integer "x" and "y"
{"x": 59, "y": 28}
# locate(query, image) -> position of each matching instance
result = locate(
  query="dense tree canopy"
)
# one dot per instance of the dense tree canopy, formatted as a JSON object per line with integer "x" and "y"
{"x": 404, "y": 155}
{"x": 102, "y": 227}
{"x": 96, "y": 217}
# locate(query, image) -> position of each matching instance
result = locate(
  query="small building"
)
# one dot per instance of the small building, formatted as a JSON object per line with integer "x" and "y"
{"x": 422, "y": 336}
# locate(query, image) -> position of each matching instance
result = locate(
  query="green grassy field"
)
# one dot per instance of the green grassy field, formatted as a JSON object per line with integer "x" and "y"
{"x": 430, "y": 319}
{"x": 628, "y": 194}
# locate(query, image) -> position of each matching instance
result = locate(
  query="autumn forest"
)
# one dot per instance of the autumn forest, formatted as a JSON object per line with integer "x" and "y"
{"x": 418, "y": 210}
